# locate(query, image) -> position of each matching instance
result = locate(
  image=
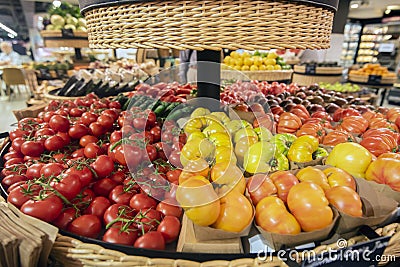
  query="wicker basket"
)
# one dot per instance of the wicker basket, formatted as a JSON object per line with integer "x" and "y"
{"x": 365, "y": 79}
{"x": 72, "y": 252}
{"x": 203, "y": 24}
{"x": 47, "y": 33}
{"x": 48, "y": 96}
{"x": 320, "y": 70}
{"x": 275, "y": 75}
{"x": 306, "y": 79}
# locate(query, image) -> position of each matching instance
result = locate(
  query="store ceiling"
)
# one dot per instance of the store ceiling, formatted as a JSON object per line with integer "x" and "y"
{"x": 370, "y": 8}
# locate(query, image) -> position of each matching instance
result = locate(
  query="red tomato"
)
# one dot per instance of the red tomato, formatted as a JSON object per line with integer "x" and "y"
{"x": 13, "y": 161}
{"x": 29, "y": 124}
{"x": 115, "y": 136}
{"x": 342, "y": 113}
{"x": 142, "y": 202}
{"x": 65, "y": 137}
{"x": 118, "y": 177}
{"x": 45, "y": 132}
{"x": 47, "y": 116}
{"x": 106, "y": 121}
{"x": 33, "y": 171}
{"x": 149, "y": 220}
{"x": 83, "y": 172}
{"x": 12, "y": 179}
{"x": 114, "y": 104}
{"x": 51, "y": 169}
{"x": 20, "y": 194}
{"x": 59, "y": 123}
{"x": 67, "y": 184}
{"x": 32, "y": 148}
{"x": 97, "y": 129}
{"x": 151, "y": 152}
{"x": 87, "y": 139}
{"x": 133, "y": 155}
{"x": 120, "y": 195}
{"x": 17, "y": 143}
{"x": 76, "y": 112}
{"x": 98, "y": 207}
{"x": 169, "y": 227}
{"x": 88, "y": 117}
{"x": 175, "y": 159}
{"x": 92, "y": 151}
{"x": 78, "y": 130}
{"x": 86, "y": 225}
{"x": 103, "y": 166}
{"x": 79, "y": 153}
{"x": 156, "y": 132}
{"x": 18, "y": 133}
{"x": 11, "y": 155}
{"x": 65, "y": 218}
{"x": 114, "y": 235}
{"x": 103, "y": 187}
{"x": 46, "y": 209}
{"x": 170, "y": 207}
{"x": 151, "y": 240}
{"x": 139, "y": 123}
{"x": 54, "y": 143}
{"x": 117, "y": 210}
{"x": 173, "y": 175}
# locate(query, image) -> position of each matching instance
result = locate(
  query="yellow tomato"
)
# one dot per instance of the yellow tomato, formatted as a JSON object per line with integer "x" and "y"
{"x": 339, "y": 177}
{"x": 239, "y": 62}
{"x": 195, "y": 149}
{"x": 234, "y": 54}
{"x": 314, "y": 175}
{"x": 220, "y": 139}
{"x": 221, "y": 116}
{"x": 309, "y": 139}
{"x": 225, "y": 154}
{"x": 269, "y": 61}
{"x": 200, "y": 112}
{"x": 214, "y": 128}
{"x": 196, "y": 135}
{"x": 257, "y": 157}
{"x": 227, "y": 59}
{"x": 243, "y": 145}
{"x": 236, "y": 213}
{"x": 244, "y": 132}
{"x": 226, "y": 173}
{"x": 245, "y": 55}
{"x": 194, "y": 125}
{"x": 277, "y": 67}
{"x": 257, "y": 61}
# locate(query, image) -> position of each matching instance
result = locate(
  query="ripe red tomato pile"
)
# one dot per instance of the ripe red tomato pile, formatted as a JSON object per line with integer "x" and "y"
{"x": 73, "y": 166}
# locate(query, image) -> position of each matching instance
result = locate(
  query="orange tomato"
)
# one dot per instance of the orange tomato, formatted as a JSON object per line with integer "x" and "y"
{"x": 236, "y": 212}
{"x": 199, "y": 200}
{"x": 385, "y": 171}
{"x": 260, "y": 186}
{"x": 313, "y": 175}
{"x": 226, "y": 173}
{"x": 242, "y": 146}
{"x": 339, "y": 177}
{"x": 345, "y": 200}
{"x": 390, "y": 155}
{"x": 284, "y": 181}
{"x": 272, "y": 216}
{"x": 307, "y": 202}
{"x": 194, "y": 168}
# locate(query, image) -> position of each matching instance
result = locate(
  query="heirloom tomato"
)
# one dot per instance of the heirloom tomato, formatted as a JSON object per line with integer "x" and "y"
{"x": 283, "y": 181}
{"x": 385, "y": 171}
{"x": 313, "y": 175}
{"x": 288, "y": 123}
{"x": 339, "y": 177}
{"x": 345, "y": 199}
{"x": 260, "y": 186}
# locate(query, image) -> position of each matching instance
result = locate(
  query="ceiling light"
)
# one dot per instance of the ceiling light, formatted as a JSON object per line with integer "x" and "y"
{"x": 11, "y": 36}
{"x": 355, "y": 5}
{"x": 56, "y": 3}
{"x": 387, "y": 11}
{"x": 4, "y": 27}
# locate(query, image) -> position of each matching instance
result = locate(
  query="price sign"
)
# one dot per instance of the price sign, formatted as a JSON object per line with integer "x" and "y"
{"x": 311, "y": 68}
{"x": 374, "y": 79}
{"x": 67, "y": 33}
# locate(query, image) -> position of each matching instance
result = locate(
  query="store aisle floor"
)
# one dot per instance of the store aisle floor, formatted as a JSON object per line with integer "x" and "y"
{"x": 7, "y": 118}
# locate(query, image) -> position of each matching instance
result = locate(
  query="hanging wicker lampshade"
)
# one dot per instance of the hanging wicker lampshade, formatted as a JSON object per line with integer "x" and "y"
{"x": 212, "y": 25}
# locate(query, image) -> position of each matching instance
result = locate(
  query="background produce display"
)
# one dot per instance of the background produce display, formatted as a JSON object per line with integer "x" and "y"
{"x": 255, "y": 62}
{"x": 124, "y": 170}
{"x": 66, "y": 16}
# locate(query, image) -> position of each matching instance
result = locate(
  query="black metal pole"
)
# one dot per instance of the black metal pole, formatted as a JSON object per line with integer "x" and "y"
{"x": 208, "y": 75}
{"x": 78, "y": 54}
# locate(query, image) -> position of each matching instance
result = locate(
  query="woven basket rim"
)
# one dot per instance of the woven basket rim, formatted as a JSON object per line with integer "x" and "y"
{"x": 86, "y": 5}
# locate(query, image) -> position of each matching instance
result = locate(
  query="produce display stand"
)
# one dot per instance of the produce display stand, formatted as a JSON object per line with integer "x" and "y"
{"x": 56, "y": 39}
{"x": 380, "y": 89}
{"x": 311, "y": 73}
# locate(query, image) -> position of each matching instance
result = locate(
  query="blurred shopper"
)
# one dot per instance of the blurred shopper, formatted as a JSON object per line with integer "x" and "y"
{"x": 8, "y": 56}
{"x": 188, "y": 66}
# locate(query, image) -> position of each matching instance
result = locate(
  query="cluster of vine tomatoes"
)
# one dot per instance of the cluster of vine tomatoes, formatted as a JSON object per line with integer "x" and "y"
{"x": 96, "y": 171}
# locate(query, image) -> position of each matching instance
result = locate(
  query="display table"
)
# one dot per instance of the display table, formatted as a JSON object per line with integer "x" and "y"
{"x": 380, "y": 89}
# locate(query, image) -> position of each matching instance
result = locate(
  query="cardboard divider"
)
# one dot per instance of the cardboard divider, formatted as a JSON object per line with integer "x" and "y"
{"x": 187, "y": 241}
{"x": 277, "y": 241}
{"x": 386, "y": 190}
